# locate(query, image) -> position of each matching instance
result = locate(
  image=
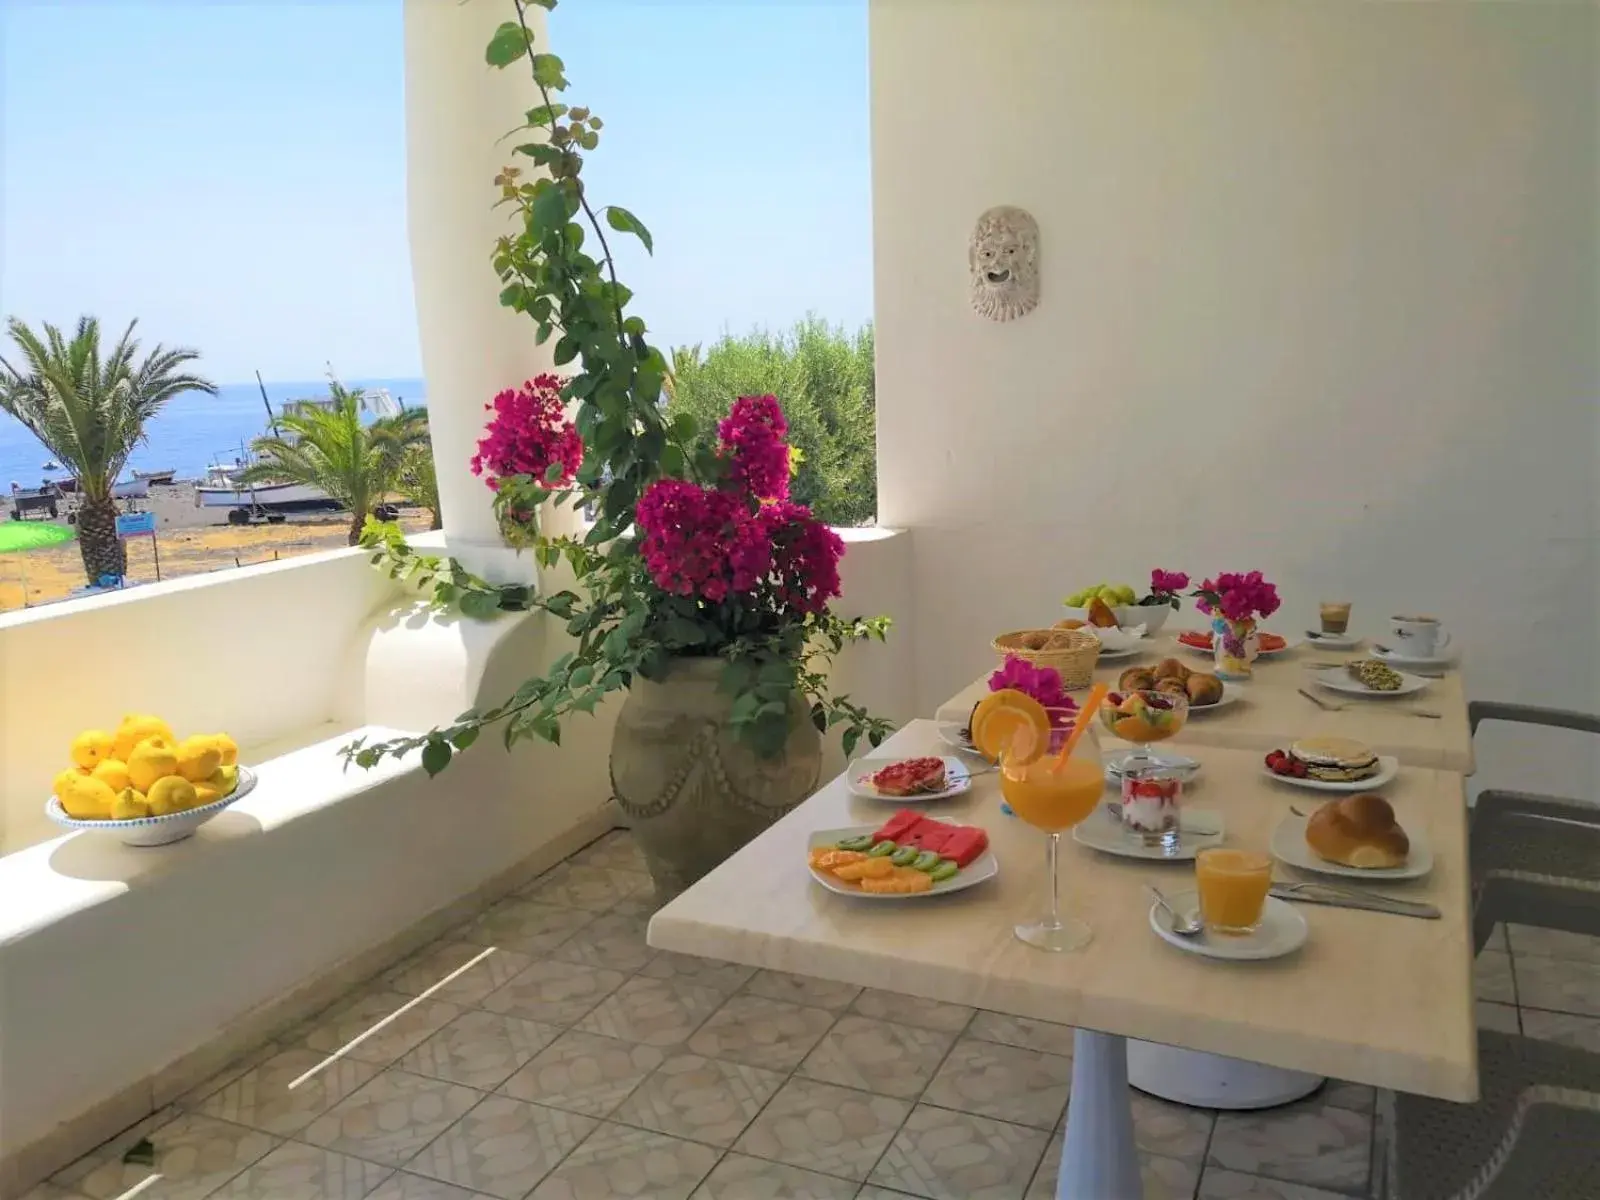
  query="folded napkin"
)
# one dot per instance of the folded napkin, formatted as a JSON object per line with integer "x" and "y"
{"x": 1117, "y": 639}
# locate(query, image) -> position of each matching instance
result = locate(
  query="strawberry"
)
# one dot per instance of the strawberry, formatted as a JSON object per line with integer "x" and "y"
{"x": 1298, "y": 769}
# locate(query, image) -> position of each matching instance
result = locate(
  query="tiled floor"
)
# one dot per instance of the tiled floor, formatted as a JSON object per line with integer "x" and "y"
{"x": 575, "y": 1063}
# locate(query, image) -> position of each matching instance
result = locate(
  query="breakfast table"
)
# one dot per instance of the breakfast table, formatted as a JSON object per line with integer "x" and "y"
{"x": 1273, "y": 709}
{"x": 1372, "y": 997}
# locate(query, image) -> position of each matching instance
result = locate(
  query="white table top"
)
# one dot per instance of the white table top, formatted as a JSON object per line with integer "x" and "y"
{"x": 1273, "y": 712}
{"x": 1371, "y": 997}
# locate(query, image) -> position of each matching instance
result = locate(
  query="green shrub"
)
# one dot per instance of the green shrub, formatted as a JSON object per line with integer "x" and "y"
{"x": 822, "y": 375}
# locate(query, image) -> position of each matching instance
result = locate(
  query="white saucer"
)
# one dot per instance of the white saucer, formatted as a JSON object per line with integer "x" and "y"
{"x": 958, "y": 780}
{"x": 1396, "y": 658}
{"x": 1388, "y": 768}
{"x": 1139, "y": 647}
{"x": 1334, "y": 641}
{"x": 1104, "y": 832}
{"x": 1337, "y": 679}
{"x": 954, "y": 734}
{"x": 1289, "y": 846}
{"x": 1283, "y": 931}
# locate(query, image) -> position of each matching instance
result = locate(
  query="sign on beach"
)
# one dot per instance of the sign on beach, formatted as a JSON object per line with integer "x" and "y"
{"x": 134, "y": 524}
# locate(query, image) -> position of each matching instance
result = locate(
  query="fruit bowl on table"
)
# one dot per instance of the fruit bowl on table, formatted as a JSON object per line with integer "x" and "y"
{"x": 1151, "y": 616}
{"x": 155, "y": 831}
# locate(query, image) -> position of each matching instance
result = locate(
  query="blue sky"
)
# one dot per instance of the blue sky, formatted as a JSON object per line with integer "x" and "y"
{"x": 233, "y": 173}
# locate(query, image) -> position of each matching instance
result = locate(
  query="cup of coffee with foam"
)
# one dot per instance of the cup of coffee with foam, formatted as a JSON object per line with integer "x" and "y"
{"x": 1418, "y": 636}
{"x": 1335, "y": 616}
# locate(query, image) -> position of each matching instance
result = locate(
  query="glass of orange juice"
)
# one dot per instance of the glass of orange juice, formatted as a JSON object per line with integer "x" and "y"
{"x": 1233, "y": 888}
{"x": 1052, "y": 795}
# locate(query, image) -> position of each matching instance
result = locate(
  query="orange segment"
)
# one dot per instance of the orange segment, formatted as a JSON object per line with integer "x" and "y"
{"x": 1004, "y": 719}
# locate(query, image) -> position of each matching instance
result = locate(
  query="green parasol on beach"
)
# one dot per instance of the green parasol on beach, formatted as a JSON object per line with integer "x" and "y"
{"x": 19, "y": 536}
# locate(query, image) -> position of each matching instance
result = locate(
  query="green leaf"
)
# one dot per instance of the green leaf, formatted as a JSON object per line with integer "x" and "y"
{"x": 549, "y": 72}
{"x": 436, "y": 756}
{"x": 744, "y": 708}
{"x": 545, "y": 114}
{"x": 683, "y": 631}
{"x": 507, "y": 45}
{"x": 672, "y": 462}
{"x": 141, "y": 1154}
{"x": 778, "y": 672}
{"x": 480, "y": 605}
{"x": 550, "y": 208}
{"x": 465, "y": 737}
{"x": 581, "y": 675}
{"x": 566, "y": 350}
{"x": 625, "y": 222}
{"x": 684, "y": 427}
{"x": 851, "y": 737}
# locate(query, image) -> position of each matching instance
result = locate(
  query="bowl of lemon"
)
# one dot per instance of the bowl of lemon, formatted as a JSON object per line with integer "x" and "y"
{"x": 145, "y": 785}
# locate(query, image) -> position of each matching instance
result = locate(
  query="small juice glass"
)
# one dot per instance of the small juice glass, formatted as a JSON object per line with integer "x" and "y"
{"x": 1052, "y": 796}
{"x": 1233, "y": 888}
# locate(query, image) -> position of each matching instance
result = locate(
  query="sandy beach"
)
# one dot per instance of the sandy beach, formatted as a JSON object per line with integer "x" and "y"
{"x": 191, "y": 541}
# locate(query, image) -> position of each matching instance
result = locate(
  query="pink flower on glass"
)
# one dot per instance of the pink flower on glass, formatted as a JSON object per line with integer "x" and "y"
{"x": 527, "y": 434}
{"x": 751, "y": 442}
{"x": 1167, "y": 581}
{"x": 1042, "y": 683}
{"x": 1237, "y": 597}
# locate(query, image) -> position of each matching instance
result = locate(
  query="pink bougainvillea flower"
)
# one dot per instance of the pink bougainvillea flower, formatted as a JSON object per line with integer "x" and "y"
{"x": 528, "y": 432}
{"x": 751, "y": 443}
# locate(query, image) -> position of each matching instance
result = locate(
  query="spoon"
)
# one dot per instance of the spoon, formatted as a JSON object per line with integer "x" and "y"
{"x": 1182, "y": 926}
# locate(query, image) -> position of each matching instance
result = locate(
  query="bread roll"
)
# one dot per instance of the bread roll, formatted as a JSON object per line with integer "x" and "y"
{"x": 1034, "y": 639}
{"x": 1172, "y": 687}
{"x": 1358, "y": 831}
{"x": 1203, "y": 689}
{"x": 1136, "y": 679}
{"x": 1171, "y": 668}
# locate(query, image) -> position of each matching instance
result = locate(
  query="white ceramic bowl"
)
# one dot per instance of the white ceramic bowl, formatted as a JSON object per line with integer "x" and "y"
{"x": 155, "y": 831}
{"x": 1151, "y": 616}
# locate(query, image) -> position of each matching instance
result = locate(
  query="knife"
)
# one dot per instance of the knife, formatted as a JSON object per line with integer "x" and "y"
{"x": 1311, "y": 893}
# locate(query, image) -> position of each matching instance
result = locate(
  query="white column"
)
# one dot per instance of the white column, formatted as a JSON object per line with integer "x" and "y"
{"x": 458, "y": 108}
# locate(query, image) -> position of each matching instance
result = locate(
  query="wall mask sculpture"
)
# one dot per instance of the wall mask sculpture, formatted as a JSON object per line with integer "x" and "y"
{"x": 1003, "y": 257}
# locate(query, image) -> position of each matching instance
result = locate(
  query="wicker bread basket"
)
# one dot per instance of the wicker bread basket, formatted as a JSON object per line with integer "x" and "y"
{"x": 1073, "y": 657}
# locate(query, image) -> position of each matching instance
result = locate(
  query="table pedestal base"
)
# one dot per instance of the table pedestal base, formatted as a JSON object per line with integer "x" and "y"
{"x": 1212, "y": 1081}
{"x": 1099, "y": 1160}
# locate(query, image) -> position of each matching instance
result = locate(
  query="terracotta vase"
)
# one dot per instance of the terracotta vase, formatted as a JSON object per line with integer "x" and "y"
{"x": 1234, "y": 645}
{"x": 692, "y": 791}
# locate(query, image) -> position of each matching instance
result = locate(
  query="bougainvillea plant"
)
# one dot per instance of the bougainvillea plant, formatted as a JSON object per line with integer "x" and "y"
{"x": 1166, "y": 587}
{"x": 695, "y": 552}
{"x": 1042, "y": 683}
{"x": 1237, "y": 597}
{"x": 528, "y": 437}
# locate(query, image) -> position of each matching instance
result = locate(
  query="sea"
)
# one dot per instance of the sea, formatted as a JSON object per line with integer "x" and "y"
{"x": 193, "y": 430}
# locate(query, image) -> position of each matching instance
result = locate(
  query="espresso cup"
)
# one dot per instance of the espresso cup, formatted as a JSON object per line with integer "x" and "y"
{"x": 1335, "y": 616}
{"x": 1419, "y": 637}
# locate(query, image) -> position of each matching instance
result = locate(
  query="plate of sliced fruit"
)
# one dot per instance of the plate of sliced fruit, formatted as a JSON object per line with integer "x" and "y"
{"x": 909, "y": 855}
{"x": 1267, "y": 644}
{"x": 927, "y": 778}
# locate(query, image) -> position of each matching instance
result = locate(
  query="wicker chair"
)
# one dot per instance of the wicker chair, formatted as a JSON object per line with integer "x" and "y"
{"x": 1535, "y": 1134}
{"x": 1535, "y": 858}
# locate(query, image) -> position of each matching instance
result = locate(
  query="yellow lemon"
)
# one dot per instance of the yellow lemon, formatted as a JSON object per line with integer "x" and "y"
{"x": 226, "y": 780}
{"x": 206, "y": 792}
{"x": 130, "y": 804}
{"x": 198, "y": 758}
{"x": 170, "y": 794}
{"x": 91, "y": 747}
{"x": 152, "y": 759}
{"x": 134, "y": 729}
{"x": 87, "y": 799}
{"x": 226, "y": 746}
{"x": 63, "y": 781}
{"x": 113, "y": 772}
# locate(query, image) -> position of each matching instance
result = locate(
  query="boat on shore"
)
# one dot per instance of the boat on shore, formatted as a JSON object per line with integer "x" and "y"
{"x": 159, "y": 478}
{"x": 126, "y": 489}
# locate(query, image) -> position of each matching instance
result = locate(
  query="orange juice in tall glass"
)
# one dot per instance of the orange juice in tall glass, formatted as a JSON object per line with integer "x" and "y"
{"x": 1052, "y": 795}
{"x": 1233, "y": 887}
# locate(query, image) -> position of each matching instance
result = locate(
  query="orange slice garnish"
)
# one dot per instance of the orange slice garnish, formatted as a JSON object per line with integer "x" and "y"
{"x": 1012, "y": 723}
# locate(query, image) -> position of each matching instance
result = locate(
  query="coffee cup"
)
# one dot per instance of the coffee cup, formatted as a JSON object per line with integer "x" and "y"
{"x": 1335, "y": 616}
{"x": 1418, "y": 637}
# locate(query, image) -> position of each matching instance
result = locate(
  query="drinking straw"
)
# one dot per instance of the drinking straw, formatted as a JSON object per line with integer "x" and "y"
{"x": 1085, "y": 715}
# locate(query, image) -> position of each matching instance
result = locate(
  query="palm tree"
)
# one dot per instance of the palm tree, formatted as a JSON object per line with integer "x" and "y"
{"x": 419, "y": 481}
{"x": 90, "y": 413}
{"x": 332, "y": 449}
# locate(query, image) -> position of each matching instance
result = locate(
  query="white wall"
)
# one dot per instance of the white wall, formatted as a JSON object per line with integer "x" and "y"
{"x": 1362, "y": 237}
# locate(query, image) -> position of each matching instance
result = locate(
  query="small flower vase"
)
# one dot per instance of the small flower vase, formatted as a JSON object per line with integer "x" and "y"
{"x": 520, "y": 530}
{"x": 1234, "y": 645}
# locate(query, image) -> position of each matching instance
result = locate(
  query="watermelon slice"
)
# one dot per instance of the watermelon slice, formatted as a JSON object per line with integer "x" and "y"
{"x": 930, "y": 835}
{"x": 964, "y": 844}
{"x": 898, "y": 827}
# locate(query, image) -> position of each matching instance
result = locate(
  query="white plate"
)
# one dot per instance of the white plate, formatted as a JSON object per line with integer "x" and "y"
{"x": 1333, "y": 641}
{"x": 1283, "y": 931}
{"x": 985, "y": 866}
{"x": 1289, "y": 846}
{"x": 957, "y": 778}
{"x": 1206, "y": 651}
{"x": 1197, "y": 829}
{"x": 1108, "y": 655}
{"x": 155, "y": 831}
{"x": 1172, "y": 762}
{"x": 954, "y": 734}
{"x": 1337, "y": 679}
{"x": 1396, "y": 658}
{"x": 1232, "y": 693}
{"x": 1388, "y": 768}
